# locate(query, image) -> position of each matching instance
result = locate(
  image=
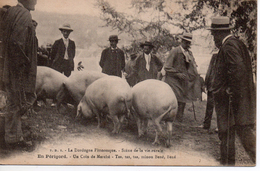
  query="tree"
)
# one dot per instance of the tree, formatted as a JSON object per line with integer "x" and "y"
{"x": 169, "y": 18}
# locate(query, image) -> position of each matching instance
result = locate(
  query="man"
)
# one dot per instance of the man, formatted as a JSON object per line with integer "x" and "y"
{"x": 182, "y": 75}
{"x": 63, "y": 52}
{"x": 129, "y": 73}
{"x": 210, "y": 99}
{"x": 2, "y": 12}
{"x": 233, "y": 91}
{"x": 112, "y": 59}
{"x": 20, "y": 65}
{"x": 147, "y": 64}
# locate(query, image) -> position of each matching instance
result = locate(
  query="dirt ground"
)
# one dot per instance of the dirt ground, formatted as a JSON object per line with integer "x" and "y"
{"x": 51, "y": 130}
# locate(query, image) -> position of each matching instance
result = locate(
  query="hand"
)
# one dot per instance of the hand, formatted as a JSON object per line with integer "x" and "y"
{"x": 228, "y": 91}
{"x": 181, "y": 76}
{"x": 125, "y": 74}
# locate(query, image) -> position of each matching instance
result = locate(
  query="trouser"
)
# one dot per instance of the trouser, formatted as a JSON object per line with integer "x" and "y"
{"x": 209, "y": 110}
{"x": 180, "y": 111}
{"x": 65, "y": 68}
{"x": 247, "y": 137}
{"x": 18, "y": 103}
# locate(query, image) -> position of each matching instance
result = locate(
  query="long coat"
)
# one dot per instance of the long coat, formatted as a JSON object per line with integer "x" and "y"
{"x": 20, "y": 50}
{"x": 233, "y": 70}
{"x": 141, "y": 71}
{"x": 185, "y": 90}
{"x": 58, "y": 52}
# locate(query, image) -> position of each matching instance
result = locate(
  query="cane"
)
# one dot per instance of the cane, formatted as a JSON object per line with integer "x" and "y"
{"x": 194, "y": 111}
{"x": 228, "y": 119}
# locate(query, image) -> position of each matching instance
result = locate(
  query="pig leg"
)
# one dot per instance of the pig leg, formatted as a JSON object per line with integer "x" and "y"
{"x": 158, "y": 130}
{"x": 116, "y": 123}
{"x": 145, "y": 126}
{"x": 138, "y": 121}
{"x": 139, "y": 126}
{"x": 169, "y": 132}
{"x": 98, "y": 114}
{"x": 121, "y": 120}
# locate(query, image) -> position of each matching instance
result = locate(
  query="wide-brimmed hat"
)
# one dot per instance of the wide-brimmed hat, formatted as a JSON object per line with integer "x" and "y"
{"x": 113, "y": 37}
{"x": 186, "y": 36}
{"x": 65, "y": 27}
{"x": 220, "y": 23}
{"x": 146, "y": 43}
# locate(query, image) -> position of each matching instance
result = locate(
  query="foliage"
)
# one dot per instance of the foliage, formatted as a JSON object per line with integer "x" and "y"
{"x": 165, "y": 19}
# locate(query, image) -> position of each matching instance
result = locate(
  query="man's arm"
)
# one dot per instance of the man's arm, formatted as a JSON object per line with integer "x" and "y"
{"x": 235, "y": 66}
{"x": 18, "y": 41}
{"x": 73, "y": 49}
{"x": 158, "y": 63}
{"x": 54, "y": 50}
{"x": 102, "y": 59}
{"x": 122, "y": 61}
{"x": 168, "y": 66}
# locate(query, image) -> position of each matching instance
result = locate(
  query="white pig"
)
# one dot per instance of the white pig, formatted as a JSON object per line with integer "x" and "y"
{"x": 48, "y": 82}
{"x": 154, "y": 100}
{"x": 75, "y": 86}
{"x": 108, "y": 95}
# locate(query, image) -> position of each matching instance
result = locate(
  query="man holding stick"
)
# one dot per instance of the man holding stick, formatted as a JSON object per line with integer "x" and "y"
{"x": 234, "y": 92}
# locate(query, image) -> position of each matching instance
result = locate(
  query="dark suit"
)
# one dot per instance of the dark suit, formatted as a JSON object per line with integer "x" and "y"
{"x": 57, "y": 55}
{"x": 141, "y": 71}
{"x": 112, "y": 62}
{"x": 233, "y": 70}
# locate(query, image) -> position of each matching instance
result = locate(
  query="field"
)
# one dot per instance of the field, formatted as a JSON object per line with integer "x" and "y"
{"x": 51, "y": 130}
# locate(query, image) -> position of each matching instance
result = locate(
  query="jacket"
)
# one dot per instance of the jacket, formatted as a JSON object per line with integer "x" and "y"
{"x": 112, "y": 62}
{"x": 185, "y": 90}
{"x": 141, "y": 71}
{"x": 58, "y": 52}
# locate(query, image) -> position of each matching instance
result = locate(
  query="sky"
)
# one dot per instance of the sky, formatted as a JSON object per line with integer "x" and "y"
{"x": 73, "y": 6}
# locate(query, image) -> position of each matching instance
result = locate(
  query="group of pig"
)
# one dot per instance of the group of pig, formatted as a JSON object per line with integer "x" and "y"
{"x": 95, "y": 94}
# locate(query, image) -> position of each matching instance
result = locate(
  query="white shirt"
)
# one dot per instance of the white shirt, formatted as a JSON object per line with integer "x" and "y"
{"x": 148, "y": 60}
{"x": 66, "y": 43}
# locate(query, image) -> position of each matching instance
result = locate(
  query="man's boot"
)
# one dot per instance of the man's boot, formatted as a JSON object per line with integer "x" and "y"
{"x": 180, "y": 111}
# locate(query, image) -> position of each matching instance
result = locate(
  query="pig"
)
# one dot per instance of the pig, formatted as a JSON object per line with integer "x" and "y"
{"x": 75, "y": 86}
{"x": 109, "y": 95}
{"x": 154, "y": 100}
{"x": 48, "y": 83}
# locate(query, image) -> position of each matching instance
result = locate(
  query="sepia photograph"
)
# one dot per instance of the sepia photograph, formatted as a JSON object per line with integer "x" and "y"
{"x": 128, "y": 83}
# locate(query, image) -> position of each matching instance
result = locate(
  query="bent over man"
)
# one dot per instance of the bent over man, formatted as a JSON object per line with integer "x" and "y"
{"x": 182, "y": 74}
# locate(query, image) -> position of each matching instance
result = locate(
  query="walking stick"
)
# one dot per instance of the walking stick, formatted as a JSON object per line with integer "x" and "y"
{"x": 228, "y": 124}
{"x": 194, "y": 111}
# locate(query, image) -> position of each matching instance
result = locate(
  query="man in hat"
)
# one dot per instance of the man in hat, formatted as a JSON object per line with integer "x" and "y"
{"x": 112, "y": 59}
{"x": 20, "y": 65}
{"x": 234, "y": 92}
{"x": 182, "y": 74}
{"x": 129, "y": 73}
{"x": 147, "y": 64}
{"x": 63, "y": 52}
